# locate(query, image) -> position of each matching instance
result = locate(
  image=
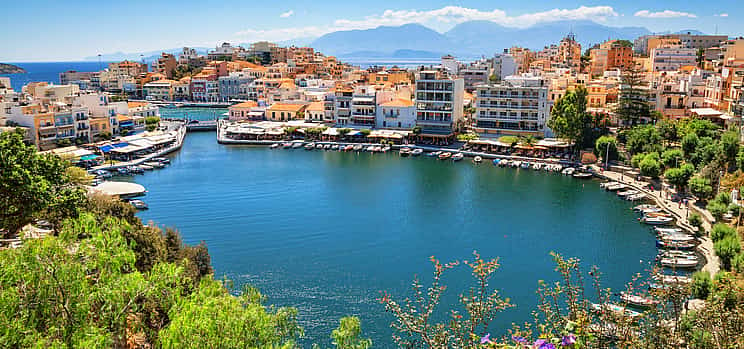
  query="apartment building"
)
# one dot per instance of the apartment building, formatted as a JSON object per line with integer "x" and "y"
{"x": 476, "y": 73}
{"x": 230, "y": 85}
{"x": 439, "y": 102}
{"x": 165, "y": 64}
{"x": 159, "y": 90}
{"x": 517, "y": 106}
{"x": 285, "y": 111}
{"x": 610, "y": 55}
{"x": 399, "y": 113}
{"x": 671, "y": 58}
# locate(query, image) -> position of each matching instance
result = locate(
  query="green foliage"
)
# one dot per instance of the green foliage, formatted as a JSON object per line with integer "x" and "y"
{"x": 464, "y": 137}
{"x": 726, "y": 249}
{"x": 213, "y": 318}
{"x": 700, "y": 187}
{"x": 672, "y": 157}
{"x": 650, "y": 167}
{"x": 152, "y": 120}
{"x": 642, "y": 139}
{"x": 348, "y": 335}
{"x": 700, "y": 127}
{"x": 737, "y": 264}
{"x": 689, "y": 145}
{"x": 568, "y": 118}
{"x": 679, "y": 176}
{"x": 365, "y": 132}
{"x": 632, "y": 103}
{"x": 740, "y": 159}
{"x": 33, "y": 184}
{"x": 668, "y": 130}
{"x": 696, "y": 221}
{"x": 730, "y": 146}
{"x": 717, "y": 209}
{"x": 701, "y": 285}
{"x": 604, "y": 144}
{"x": 724, "y": 198}
{"x": 512, "y": 140}
{"x": 635, "y": 161}
{"x": 416, "y": 130}
{"x": 721, "y": 231}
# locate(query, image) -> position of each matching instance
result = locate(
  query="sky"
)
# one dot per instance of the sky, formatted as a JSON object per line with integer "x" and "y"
{"x": 54, "y": 30}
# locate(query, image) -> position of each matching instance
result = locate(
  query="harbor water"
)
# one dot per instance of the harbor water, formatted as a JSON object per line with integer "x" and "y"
{"x": 326, "y": 231}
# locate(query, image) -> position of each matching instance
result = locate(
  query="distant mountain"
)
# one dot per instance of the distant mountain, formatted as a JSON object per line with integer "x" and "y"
{"x": 690, "y": 32}
{"x": 410, "y": 54}
{"x": 6, "y": 68}
{"x": 468, "y": 39}
{"x": 382, "y": 39}
{"x": 148, "y": 56}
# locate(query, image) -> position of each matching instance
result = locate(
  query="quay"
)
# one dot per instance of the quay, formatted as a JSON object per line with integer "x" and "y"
{"x": 119, "y": 189}
{"x": 180, "y": 136}
{"x": 712, "y": 263}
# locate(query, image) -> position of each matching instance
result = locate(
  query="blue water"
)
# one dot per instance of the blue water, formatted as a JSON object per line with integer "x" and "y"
{"x": 48, "y": 71}
{"x": 327, "y": 231}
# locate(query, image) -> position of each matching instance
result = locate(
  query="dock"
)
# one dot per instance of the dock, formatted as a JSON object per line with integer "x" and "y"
{"x": 119, "y": 189}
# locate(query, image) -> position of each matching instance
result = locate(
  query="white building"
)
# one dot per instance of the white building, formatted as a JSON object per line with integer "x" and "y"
{"x": 517, "y": 106}
{"x": 439, "y": 102}
{"x": 672, "y": 58}
{"x": 397, "y": 114}
{"x": 504, "y": 65}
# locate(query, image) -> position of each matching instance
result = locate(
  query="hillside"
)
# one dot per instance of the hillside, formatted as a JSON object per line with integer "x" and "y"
{"x": 10, "y": 69}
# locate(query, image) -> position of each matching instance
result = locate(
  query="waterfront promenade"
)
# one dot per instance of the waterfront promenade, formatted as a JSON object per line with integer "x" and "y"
{"x": 180, "y": 129}
{"x": 712, "y": 263}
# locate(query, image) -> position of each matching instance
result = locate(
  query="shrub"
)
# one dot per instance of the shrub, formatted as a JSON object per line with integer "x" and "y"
{"x": 696, "y": 221}
{"x": 724, "y": 198}
{"x": 635, "y": 161}
{"x": 721, "y": 231}
{"x": 650, "y": 167}
{"x": 672, "y": 157}
{"x": 701, "y": 285}
{"x": 727, "y": 249}
{"x": 717, "y": 209}
{"x": 700, "y": 187}
{"x": 737, "y": 264}
{"x": 601, "y": 148}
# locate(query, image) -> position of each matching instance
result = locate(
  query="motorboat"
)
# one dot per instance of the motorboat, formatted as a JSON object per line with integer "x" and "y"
{"x": 444, "y": 155}
{"x": 644, "y": 207}
{"x": 310, "y": 146}
{"x": 615, "y": 187}
{"x": 661, "y": 220}
{"x": 678, "y": 254}
{"x": 122, "y": 171}
{"x": 569, "y": 171}
{"x": 525, "y": 165}
{"x": 606, "y": 184}
{"x": 638, "y": 301}
{"x": 457, "y": 157}
{"x": 497, "y": 161}
{"x": 287, "y": 145}
{"x": 433, "y": 154}
{"x": 369, "y": 148}
{"x": 676, "y": 238}
{"x": 358, "y": 147}
{"x": 138, "y": 204}
{"x": 334, "y": 147}
{"x": 558, "y": 168}
{"x": 386, "y": 149}
{"x": 679, "y": 263}
{"x": 582, "y": 175}
{"x": 154, "y": 164}
{"x": 146, "y": 167}
{"x": 618, "y": 310}
{"x": 404, "y": 152}
{"x": 477, "y": 159}
{"x": 516, "y": 163}
{"x": 164, "y": 161}
{"x": 376, "y": 149}
{"x": 671, "y": 245}
{"x": 416, "y": 152}
{"x": 274, "y": 146}
{"x": 674, "y": 279}
{"x": 660, "y": 230}
{"x": 537, "y": 166}
{"x": 636, "y": 197}
{"x": 626, "y": 193}
{"x": 504, "y": 163}
{"x": 297, "y": 145}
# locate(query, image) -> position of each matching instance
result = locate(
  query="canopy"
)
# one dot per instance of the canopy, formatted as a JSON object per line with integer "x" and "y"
{"x": 89, "y": 157}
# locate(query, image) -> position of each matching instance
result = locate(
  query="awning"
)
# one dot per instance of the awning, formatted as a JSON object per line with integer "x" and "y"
{"x": 89, "y": 157}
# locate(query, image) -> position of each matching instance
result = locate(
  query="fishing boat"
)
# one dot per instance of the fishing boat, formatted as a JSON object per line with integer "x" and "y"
{"x": 582, "y": 175}
{"x": 525, "y": 165}
{"x": 386, "y": 149}
{"x": 122, "y": 171}
{"x": 146, "y": 167}
{"x": 457, "y": 157}
{"x": 404, "y": 152}
{"x": 638, "y": 301}
{"x": 679, "y": 262}
{"x": 416, "y": 152}
{"x": 310, "y": 146}
{"x": 297, "y": 145}
{"x": 445, "y": 155}
{"x": 433, "y": 154}
{"x": 659, "y": 220}
{"x": 477, "y": 159}
{"x": 358, "y": 147}
{"x": 287, "y": 145}
{"x": 274, "y": 146}
{"x": 615, "y": 309}
{"x": 670, "y": 245}
{"x": 138, "y": 204}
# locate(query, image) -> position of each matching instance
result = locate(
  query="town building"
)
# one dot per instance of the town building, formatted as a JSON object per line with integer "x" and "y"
{"x": 285, "y": 111}
{"x": 399, "y": 113}
{"x": 439, "y": 103}
{"x": 671, "y": 58}
{"x": 165, "y": 64}
{"x": 517, "y": 106}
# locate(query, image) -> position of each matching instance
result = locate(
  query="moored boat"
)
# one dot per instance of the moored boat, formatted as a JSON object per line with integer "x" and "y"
{"x": 660, "y": 220}
{"x": 445, "y": 155}
{"x": 358, "y": 147}
{"x": 670, "y": 245}
{"x": 386, "y": 149}
{"x": 477, "y": 159}
{"x": 297, "y": 144}
{"x": 310, "y": 146}
{"x": 524, "y": 165}
{"x": 146, "y": 167}
{"x": 287, "y": 145}
{"x": 416, "y": 152}
{"x": 457, "y": 157}
{"x": 568, "y": 171}
{"x": 433, "y": 154}
{"x": 679, "y": 262}
{"x": 404, "y": 152}
{"x": 122, "y": 171}
{"x": 537, "y": 166}
{"x": 582, "y": 175}
{"x": 138, "y": 204}
{"x": 638, "y": 301}
{"x": 674, "y": 279}
{"x": 274, "y": 146}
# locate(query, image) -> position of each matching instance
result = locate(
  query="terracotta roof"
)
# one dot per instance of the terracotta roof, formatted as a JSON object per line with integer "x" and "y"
{"x": 315, "y": 106}
{"x": 121, "y": 117}
{"x": 398, "y": 102}
{"x": 247, "y": 104}
{"x": 136, "y": 104}
{"x": 287, "y": 107}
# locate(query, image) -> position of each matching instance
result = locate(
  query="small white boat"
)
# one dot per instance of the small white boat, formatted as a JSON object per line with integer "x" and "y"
{"x": 678, "y": 254}
{"x": 477, "y": 159}
{"x": 154, "y": 164}
{"x": 334, "y": 147}
{"x": 674, "y": 279}
{"x": 297, "y": 145}
{"x": 416, "y": 152}
{"x": 668, "y": 230}
{"x": 582, "y": 175}
{"x": 274, "y": 146}
{"x": 558, "y": 168}
{"x": 661, "y": 220}
{"x": 616, "y": 187}
{"x": 457, "y": 156}
{"x": 515, "y": 163}
{"x": 386, "y": 149}
{"x": 358, "y": 147}
{"x": 676, "y": 237}
{"x": 644, "y": 207}
{"x": 636, "y": 197}
{"x": 138, "y": 204}
{"x": 404, "y": 152}
{"x": 569, "y": 171}
{"x": 537, "y": 166}
{"x": 615, "y": 309}
{"x": 146, "y": 167}
{"x": 287, "y": 145}
{"x": 679, "y": 263}
{"x": 369, "y": 148}
{"x": 638, "y": 301}
{"x": 310, "y": 146}
{"x": 626, "y": 193}
{"x": 525, "y": 165}
{"x": 606, "y": 184}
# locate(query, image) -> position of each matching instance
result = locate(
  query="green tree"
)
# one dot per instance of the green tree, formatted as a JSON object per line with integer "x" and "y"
{"x": 605, "y": 145}
{"x": 737, "y": 264}
{"x": 672, "y": 157}
{"x": 721, "y": 231}
{"x": 696, "y": 221}
{"x": 689, "y": 145}
{"x": 668, "y": 130}
{"x": 632, "y": 103}
{"x": 730, "y": 146}
{"x": 642, "y": 139}
{"x": 740, "y": 159}
{"x": 348, "y": 335}
{"x": 650, "y": 167}
{"x": 701, "y": 285}
{"x": 726, "y": 249}
{"x": 717, "y": 209}
{"x": 32, "y": 184}
{"x": 700, "y": 187}
{"x": 679, "y": 176}
{"x": 569, "y": 119}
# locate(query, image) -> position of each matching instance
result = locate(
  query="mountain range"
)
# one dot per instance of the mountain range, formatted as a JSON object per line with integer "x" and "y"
{"x": 466, "y": 40}
{"x": 149, "y": 56}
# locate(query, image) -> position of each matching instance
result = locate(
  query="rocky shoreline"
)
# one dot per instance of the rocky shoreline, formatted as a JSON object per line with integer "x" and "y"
{"x": 11, "y": 69}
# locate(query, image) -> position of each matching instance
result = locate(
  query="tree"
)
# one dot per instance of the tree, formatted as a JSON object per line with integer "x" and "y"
{"x": 701, "y": 285}
{"x": 633, "y": 99}
{"x": 650, "y": 167}
{"x": 727, "y": 249}
{"x": 606, "y": 146}
{"x": 642, "y": 139}
{"x": 348, "y": 335}
{"x": 717, "y": 209}
{"x": 700, "y": 187}
{"x": 720, "y": 231}
{"x": 679, "y": 176}
{"x": 689, "y": 145}
{"x": 730, "y": 145}
{"x": 696, "y": 221}
{"x": 740, "y": 159}
{"x": 668, "y": 130}
{"x": 671, "y": 157}
{"x": 569, "y": 119}
{"x": 32, "y": 183}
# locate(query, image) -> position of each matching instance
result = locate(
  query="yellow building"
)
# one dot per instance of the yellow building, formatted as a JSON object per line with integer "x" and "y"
{"x": 285, "y": 111}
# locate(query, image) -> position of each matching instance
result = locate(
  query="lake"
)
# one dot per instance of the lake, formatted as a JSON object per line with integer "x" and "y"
{"x": 327, "y": 231}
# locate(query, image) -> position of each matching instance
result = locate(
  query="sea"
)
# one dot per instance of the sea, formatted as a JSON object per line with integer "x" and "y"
{"x": 49, "y": 71}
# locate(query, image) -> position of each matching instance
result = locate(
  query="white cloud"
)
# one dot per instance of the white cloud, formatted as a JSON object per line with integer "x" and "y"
{"x": 286, "y": 14}
{"x": 444, "y": 17}
{"x": 664, "y": 14}
{"x": 723, "y": 15}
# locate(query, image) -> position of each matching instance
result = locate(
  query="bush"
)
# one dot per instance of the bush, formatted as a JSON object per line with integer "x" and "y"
{"x": 635, "y": 161}
{"x": 701, "y": 285}
{"x": 696, "y": 221}
{"x": 672, "y": 157}
{"x": 650, "y": 167}
{"x": 737, "y": 264}
{"x": 724, "y": 198}
{"x": 727, "y": 249}
{"x": 721, "y": 231}
{"x": 678, "y": 177}
{"x": 700, "y": 187}
{"x": 717, "y": 209}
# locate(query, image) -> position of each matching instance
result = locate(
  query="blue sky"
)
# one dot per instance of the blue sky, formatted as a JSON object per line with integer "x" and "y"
{"x": 53, "y": 30}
